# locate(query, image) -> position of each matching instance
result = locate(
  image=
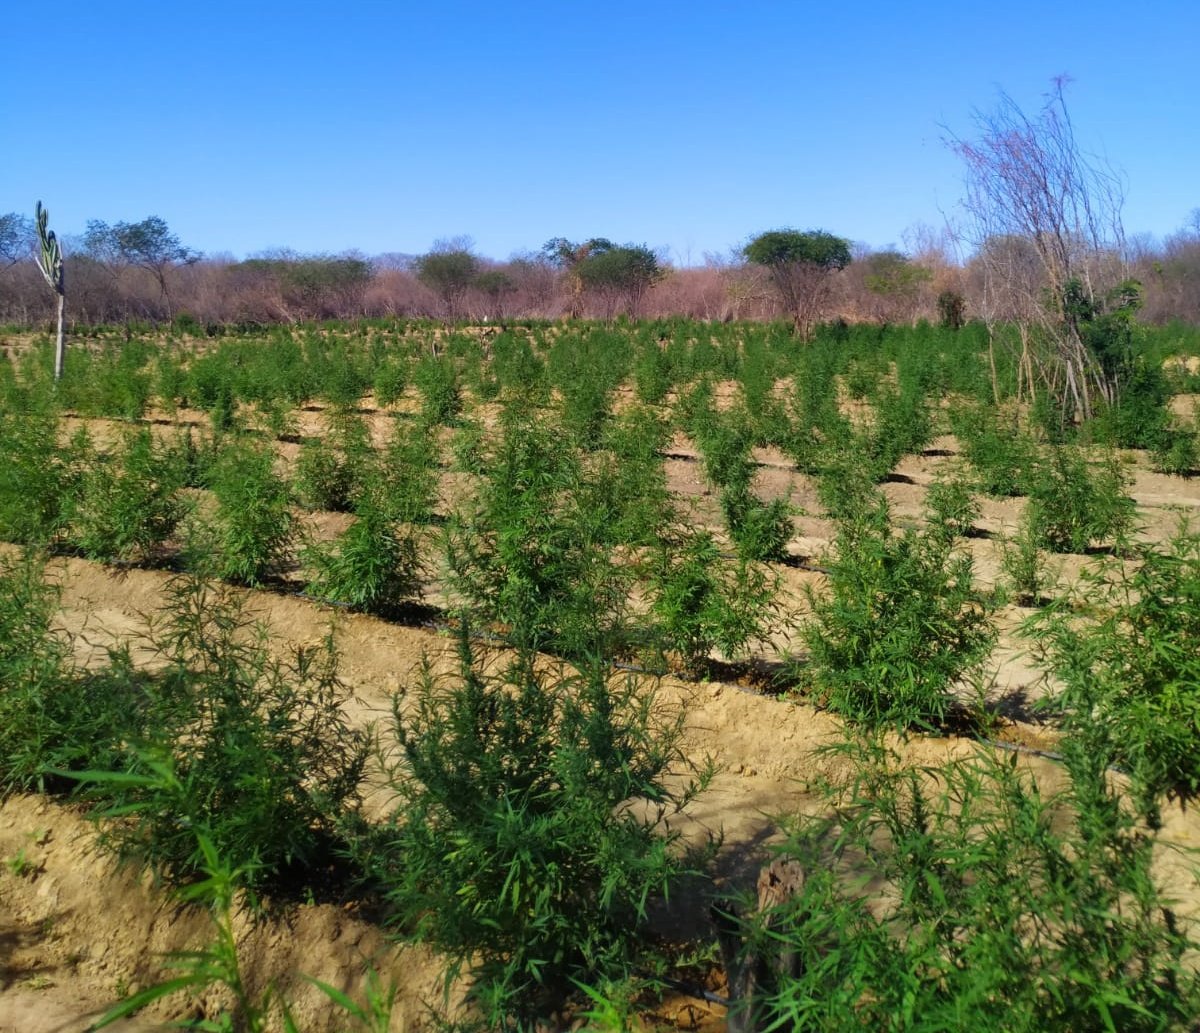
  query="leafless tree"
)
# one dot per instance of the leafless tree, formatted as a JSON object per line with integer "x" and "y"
{"x": 18, "y": 238}
{"x": 1044, "y": 220}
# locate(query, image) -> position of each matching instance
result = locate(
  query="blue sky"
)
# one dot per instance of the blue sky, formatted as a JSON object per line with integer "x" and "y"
{"x": 684, "y": 125}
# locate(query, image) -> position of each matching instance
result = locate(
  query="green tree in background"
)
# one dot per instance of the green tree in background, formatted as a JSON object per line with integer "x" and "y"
{"x": 620, "y": 276}
{"x": 448, "y": 270}
{"x": 802, "y": 264}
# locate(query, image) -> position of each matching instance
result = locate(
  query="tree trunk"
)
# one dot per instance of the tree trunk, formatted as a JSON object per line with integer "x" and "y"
{"x": 60, "y": 347}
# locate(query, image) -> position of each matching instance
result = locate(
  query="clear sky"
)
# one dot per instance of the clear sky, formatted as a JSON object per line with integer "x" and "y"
{"x": 683, "y": 125}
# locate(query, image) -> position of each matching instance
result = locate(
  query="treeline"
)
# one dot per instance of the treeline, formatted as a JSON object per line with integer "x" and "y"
{"x": 143, "y": 272}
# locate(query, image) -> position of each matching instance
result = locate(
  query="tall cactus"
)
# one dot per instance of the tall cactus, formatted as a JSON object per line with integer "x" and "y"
{"x": 50, "y": 261}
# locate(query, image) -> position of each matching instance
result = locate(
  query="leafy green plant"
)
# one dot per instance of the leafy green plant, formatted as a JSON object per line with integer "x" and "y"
{"x": 652, "y": 373}
{"x": 391, "y": 377}
{"x": 626, "y": 482}
{"x": 531, "y": 553}
{"x": 437, "y": 381}
{"x": 128, "y": 504}
{"x": 702, "y": 601}
{"x": 901, "y": 426}
{"x": 118, "y": 385}
{"x": 899, "y": 624}
{"x": 258, "y": 750}
{"x": 19, "y": 865}
{"x": 37, "y": 478}
{"x": 1004, "y": 457}
{"x": 343, "y": 379}
{"x": 33, "y": 660}
{"x": 940, "y": 940}
{"x": 1139, "y": 416}
{"x": 846, "y": 487}
{"x": 951, "y": 507}
{"x": 407, "y": 475}
{"x": 1177, "y": 452}
{"x": 1128, "y": 669}
{"x": 251, "y": 530}
{"x": 322, "y": 478}
{"x": 375, "y": 565}
{"x": 585, "y": 410}
{"x": 1022, "y": 562}
{"x": 1075, "y": 503}
{"x": 330, "y": 471}
{"x": 467, "y": 447}
{"x": 219, "y": 964}
{"x": 530, "y": 837}
{"x": 725, "y": 444}
{"x": 52, "y": 715}
{"x": 171, "y": 379}
{"x": 760, "y": 530}
{"x": 518, "y": 368}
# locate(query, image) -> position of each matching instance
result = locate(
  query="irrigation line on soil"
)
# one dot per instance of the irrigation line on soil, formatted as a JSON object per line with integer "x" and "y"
{"x": 698, "y": 992}
{"x": 620, "y": 665}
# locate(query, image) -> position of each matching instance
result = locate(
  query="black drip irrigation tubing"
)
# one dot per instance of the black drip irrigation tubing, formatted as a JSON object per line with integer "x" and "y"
{"x": 636, "y": 668}
{"x": 762, "y": 464}
{"x": 491, "y": 637}
{"x": 495, "y": 638}
{"x": 795, "y": 562}
{"x": 1029, "y": 751}
{"x": 690, "y": 990}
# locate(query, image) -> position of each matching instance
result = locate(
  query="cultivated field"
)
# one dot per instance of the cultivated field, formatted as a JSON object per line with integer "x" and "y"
{"x": 401, "y": 632}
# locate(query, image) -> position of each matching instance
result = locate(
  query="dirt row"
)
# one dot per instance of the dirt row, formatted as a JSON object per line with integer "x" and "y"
{"x": 76, "y": 932}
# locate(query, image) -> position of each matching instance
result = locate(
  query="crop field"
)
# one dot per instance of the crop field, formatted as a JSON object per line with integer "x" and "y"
{"x": 642, "y": 675}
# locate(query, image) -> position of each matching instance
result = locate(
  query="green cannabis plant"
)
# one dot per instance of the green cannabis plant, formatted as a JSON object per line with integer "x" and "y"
{"x": 532, "y": 832}
{"x": 1128, "y": 668}
{"x": 704, "y": 601}
{"x": 250, "y": 531}
{"x": 531, "y": 556}
{"x": 969, "y": 898}
{"x": 899, "y": 624}
{"x": 260, "y": 751}
{"x": 1076, "y": 503}
{"x": 127, "y": 504}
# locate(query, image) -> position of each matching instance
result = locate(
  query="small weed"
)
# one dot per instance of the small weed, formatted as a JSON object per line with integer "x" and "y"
{"x": 19, "y": 865}
{"x": 38, "y": 982}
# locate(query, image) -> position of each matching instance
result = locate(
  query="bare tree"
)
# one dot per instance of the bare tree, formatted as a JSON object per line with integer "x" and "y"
{"x": 17, "y": 238}
{"x": 148, "y": 245}
{"x": 1044, "y": 220}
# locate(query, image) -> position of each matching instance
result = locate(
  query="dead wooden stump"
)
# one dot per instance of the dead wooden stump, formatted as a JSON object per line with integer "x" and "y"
{"x": 755, "y": 969}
